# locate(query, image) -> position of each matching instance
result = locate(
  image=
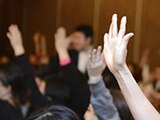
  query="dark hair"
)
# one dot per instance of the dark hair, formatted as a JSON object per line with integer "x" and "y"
{"x": 11, "y": 75}
{"x": 86, "y": 30}
{"x": 43, "y": 72}
{"x": 54, "y": 113}
{"x": 57, "y": 89}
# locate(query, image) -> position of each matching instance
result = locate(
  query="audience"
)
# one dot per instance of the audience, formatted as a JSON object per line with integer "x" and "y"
{"x": 72, "y": 86}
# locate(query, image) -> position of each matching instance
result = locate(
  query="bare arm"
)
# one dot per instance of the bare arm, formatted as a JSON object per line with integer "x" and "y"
{"x": 115, "y": 52}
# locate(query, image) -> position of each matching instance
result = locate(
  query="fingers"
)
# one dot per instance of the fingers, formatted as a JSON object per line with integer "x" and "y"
{"x": 122, "y": 27}
{"x": 96, "y": 54}
{"x": 114, "y": 27}
{"x": 106, "y": 37}
{"x": 93, "y": 54}
{"x": 61, "y": 33}
{"x": 126, "y": 39}
{"x": 9, "y": 35}
{"x": 99, "y": 50}
{"x": 13, "y": 30}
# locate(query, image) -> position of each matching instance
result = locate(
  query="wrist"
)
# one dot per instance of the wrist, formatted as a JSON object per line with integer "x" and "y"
{"x": 19, "y": 51}
{"x": 120, "y": 68}
{"x": 95, "y": 79}
{"x": 62, "y": 51}
{"x": 63, "y": 55}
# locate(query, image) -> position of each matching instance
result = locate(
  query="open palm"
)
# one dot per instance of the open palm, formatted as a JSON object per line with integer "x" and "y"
{"x": 115, "y": 44}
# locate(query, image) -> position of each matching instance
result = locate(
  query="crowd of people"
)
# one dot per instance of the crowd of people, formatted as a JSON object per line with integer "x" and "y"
{"x": 80, "y": 82}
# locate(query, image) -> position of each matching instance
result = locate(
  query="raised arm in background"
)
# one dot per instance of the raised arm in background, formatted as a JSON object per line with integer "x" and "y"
{"x": 15, "y": 38}
{"x": 115, "y": 52}
{"x": 101, "y": 99}
{"x": 79, "y": 89}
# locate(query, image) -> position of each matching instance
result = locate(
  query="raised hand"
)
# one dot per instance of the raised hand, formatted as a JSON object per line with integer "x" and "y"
{"x": 61, "y": 41}
{"x": 15, "y": 39}
{"x": 96, "y": 64}
{"x": 115, "y": 44}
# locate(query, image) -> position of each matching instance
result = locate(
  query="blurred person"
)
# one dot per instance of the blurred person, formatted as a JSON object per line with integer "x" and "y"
{"x": 52, "y": 86}
{"x": 12, "y": 87}
{"x": 76, "y": 80}
{"x": 76, "y": 91}
{"x": 4, "y": 59}
{"x": 34, "y": 58}
{"x": 79, "y": 47}
{"x": 40, "y": 55}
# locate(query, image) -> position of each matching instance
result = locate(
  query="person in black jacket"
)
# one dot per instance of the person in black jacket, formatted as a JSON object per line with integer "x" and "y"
{"x": 8, "y": 112}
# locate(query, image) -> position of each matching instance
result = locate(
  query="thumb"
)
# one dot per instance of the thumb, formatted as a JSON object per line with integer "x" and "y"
{"x": 126, "y": 39}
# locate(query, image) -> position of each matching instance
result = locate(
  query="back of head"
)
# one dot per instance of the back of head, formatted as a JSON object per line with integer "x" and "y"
{"x": 54, "y": 113}
{"x": 57, "y": 89}
{"x": 86, "y": 30}
{"x": 11, "y": 75}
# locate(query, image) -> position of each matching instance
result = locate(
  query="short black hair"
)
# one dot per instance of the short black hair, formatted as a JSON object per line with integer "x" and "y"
{"x": 57, "y": 89}
{"x": 11, "y": 75}
{"x": 86, "y": 30}
{"x": 54, "y": 113}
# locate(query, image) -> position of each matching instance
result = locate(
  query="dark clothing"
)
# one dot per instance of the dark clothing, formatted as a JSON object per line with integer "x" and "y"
{"x": 8, "y": 112}
{"x": 37, "y": 99}
{"x": 79, "y": 91}
{"x": 78, "y": 88}
{"x": 77, "y": 82}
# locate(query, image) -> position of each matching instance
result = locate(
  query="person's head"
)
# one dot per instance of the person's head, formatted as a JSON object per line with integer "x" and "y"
{"x": 5, "y": 87}
{"x": 57, "y": 90}
{"x": 90, "y": 114}
{"x": 82, "y": 37}
{"x": 54, "y": 113}
{"x": 11, "y": 82}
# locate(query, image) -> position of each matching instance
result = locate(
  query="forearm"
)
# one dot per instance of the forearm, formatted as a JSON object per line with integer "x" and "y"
{"x": 102, "y": 102}
{"x": 139, "y": 105}
{"x": 37, "y": 99}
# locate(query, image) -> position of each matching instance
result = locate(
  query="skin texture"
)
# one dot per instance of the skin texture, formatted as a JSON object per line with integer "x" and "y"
{"x": 101, "y": 99}
{"x": 62, "y": 44}
{"x": 96, "y": 65}
{"x": 115, "y": 51}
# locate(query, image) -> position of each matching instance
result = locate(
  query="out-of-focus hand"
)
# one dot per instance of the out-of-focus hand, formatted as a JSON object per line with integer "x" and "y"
{"x": 15, "y": 39}
{"x": 115, "y": 45}
{"x": 96, "y": 65}
{"x": 61, "y": 41}
{"x": 36, "y": 37}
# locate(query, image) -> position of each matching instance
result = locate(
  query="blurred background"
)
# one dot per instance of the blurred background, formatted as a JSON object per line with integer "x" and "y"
{"x": 46, "y": 16}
